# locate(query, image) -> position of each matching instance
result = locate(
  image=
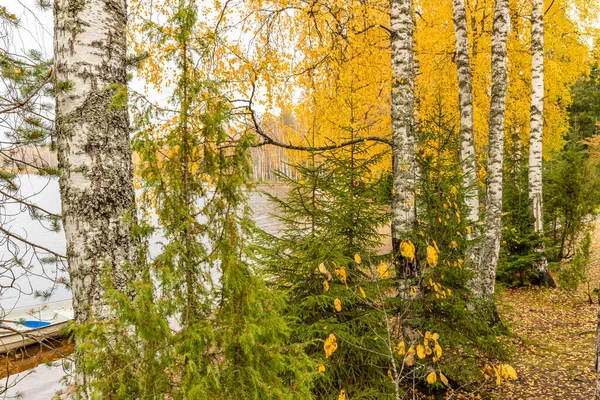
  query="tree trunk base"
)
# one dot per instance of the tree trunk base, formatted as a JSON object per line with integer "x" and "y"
{"x": 545, "y": 279}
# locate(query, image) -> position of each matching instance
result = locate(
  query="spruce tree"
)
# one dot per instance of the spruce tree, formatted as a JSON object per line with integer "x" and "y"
{"x": 203, "y": 324}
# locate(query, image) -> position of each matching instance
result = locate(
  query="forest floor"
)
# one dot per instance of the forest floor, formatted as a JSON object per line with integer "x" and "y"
{"x": 555, "y": 338}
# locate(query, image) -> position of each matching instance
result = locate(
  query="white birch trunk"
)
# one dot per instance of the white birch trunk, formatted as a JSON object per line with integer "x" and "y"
{"x": 93, "y": 147}
{"x": 490, "y": 243}
{"x": 403, "y": 136}
{"x": 536, "y": 131}
{"x": 465, "y": 99}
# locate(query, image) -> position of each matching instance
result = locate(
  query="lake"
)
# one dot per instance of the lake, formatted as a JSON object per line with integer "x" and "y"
{"x": 19, "y": 281}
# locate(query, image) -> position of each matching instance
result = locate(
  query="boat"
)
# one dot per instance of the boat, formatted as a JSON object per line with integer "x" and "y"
{"x": 21, "y": 327}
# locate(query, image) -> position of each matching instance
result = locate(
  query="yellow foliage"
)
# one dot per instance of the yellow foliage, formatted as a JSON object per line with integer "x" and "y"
{"x": 325, "y": 285}
{"x": 431, "y": 378}
{"x": 341, "y": 273}
{"x": 320, "y": 368}
{"x": 407, "y": 249}
{"x": 357, "y": 258}
{"x": 438, "y": 350}
{"x": 432, "y": 256}
{"x": 444, "y": 379}
{"x": 342, "y": 395}
{"x": 409, "y": 360}
{"x": 362, "y": 292}
{"x": 401, "y": 348}
{"x": 383, "y": 270}
{"x": 330, "y": 345}
{"x": 337, "y": 304}
{"x": 421, "y": 351}
{"x": 17, "y": 70}
{"x": 390, "y": 375}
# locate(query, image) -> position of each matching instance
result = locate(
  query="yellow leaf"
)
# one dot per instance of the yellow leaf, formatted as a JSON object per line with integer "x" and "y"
{"x": 431, "y": 378}
{"x": 432, "y": 256}
{"x": 17, "y": 70}
{"x": 508, "y": 372}
{"x": 320, "y": 368}
{"x": 444, "y": 379}
{"x": 487, "y": 371}
{"x": 498, "y": 376}
{"x": 357, "y": 258}
{"x": 421, "y": 351}
{"x": 390, "y": 375}
{"x": 438, "y": 350}
{"x": 409, "y": 360}
{"x": 407, "y": 249}
{"x": 325, "y": 285}
{"x": 342, "y": 395}
{"x": 401, "y": 348}
{"x": 383, "y": 270}
{"x": 453, "y": 244}
{"x": 341, "y": 273}
{"x": 468, "y": 230}
{"x": 337, "y": 304}
{"x": 362, "y": 292}
{"x": 330, "y": 345}
{"x": 413, "y": 291}
{"x": 322, "y": 269}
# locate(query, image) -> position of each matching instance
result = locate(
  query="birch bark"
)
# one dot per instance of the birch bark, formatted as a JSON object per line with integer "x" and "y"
{"x": 465, "y": 99}
{"x": 403, "y": 122}
{"x": 536, "y": 131}
{"x": 467, "y": 141}
{"x": 94, "y": 153}
{"x": 490, "y": 243}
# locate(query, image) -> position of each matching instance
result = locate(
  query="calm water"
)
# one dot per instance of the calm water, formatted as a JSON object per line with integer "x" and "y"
{"x": 20, "y": 282}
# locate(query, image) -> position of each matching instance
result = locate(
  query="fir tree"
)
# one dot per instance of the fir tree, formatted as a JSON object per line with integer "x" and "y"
{"x": 203, "y": 324}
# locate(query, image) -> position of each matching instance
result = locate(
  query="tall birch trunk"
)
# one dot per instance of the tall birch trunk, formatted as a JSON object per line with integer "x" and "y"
{"x": 465, "y": 99}
{"x": 467, "y": 140}
{"x": 536, "y": 132}
{"x": 94, "y": 152}
{"x": 490, "y": 243}
{"x": 403, "y": 121}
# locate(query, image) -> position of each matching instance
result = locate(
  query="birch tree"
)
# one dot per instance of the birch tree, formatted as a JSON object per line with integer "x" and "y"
{"x": 536, "y": 131}
{"x": 94, "y": 154}
{"x": 490, "y": 244}
{"x": 465, "y": 99}
{"x": 402, "y": 111}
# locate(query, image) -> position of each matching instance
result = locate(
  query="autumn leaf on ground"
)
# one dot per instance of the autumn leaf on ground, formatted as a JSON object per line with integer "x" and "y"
{"x": 357, "y": 258}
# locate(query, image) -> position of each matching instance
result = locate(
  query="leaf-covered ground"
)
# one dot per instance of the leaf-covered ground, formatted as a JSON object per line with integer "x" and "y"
{"x": 555, "y": 339}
